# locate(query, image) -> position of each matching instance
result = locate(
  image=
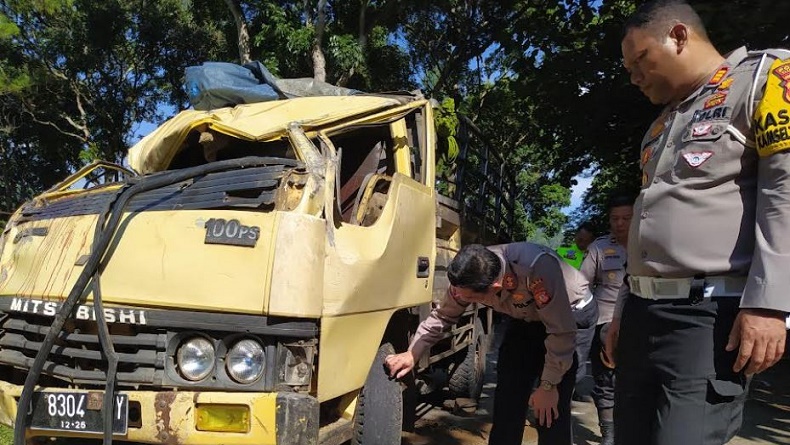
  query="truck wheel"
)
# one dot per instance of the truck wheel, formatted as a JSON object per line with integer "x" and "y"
{"x": 379, "y": 414}
{"x": 467, "y": 380}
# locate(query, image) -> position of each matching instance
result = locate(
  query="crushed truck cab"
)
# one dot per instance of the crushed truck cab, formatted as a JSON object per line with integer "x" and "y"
{"x": 241, "y": 282}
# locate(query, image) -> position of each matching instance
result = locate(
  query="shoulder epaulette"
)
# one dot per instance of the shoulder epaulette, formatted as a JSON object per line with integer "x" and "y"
{"x": 776, "y": 53}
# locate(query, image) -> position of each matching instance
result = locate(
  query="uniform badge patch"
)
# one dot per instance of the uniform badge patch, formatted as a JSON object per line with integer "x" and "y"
{"x": 772, "y": 116}
{"x": 695, "y": 159}
{"x": 658, "y": 126}
{"x": 509, "y": 281}
{"x": 656, "y": 130}
{"x": 783, "y": 72}
{"x": 701, "y": 130}
{"x": 518, "y": 298}
{"x": 718, "y": 76}
{"x": 715, "y": 100}
{"x": 611, "y": 275}
{"x": 647, "y": 154}
{"x": 609, "y": 251}
{"x": 726, "y": 84}
{"x": 539, "y": 293}
{"x": 711, "y": 114}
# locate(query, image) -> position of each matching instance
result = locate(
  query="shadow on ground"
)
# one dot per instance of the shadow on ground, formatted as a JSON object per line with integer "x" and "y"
{"x": 767, "y": 415}
{"x": 766, "y": 420}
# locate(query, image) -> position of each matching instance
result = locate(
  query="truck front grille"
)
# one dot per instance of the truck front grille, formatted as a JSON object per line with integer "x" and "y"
{"x": 146, "y": 341}
{"x": 250, "y": 188}
{"x": 77, "y": 357}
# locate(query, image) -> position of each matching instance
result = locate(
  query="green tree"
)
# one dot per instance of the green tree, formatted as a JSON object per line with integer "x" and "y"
{"x": 346, "y": 43}
{"x": 506, "y": 118}
{"x": 77, "y": 76}
{"x": 567, "y": 59}
{"x": 542, "y": 79}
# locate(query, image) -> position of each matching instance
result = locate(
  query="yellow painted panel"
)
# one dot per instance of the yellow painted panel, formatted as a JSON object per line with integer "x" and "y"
{"x": 348, "y": 346}
{"x": 401, "y": 147}
{"x": 169, "y": 417}
{"x": 44, "y": 266}
{"x": 298, "y": 271}
{"x": 429, "y": 163}
{"x": 160, "y": 260}
{"x": 250, "y": 121}
{"x": 374, "y": 268}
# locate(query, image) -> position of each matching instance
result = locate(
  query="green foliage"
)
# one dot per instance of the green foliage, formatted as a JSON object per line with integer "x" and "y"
{"x": 13, "y": 80}
{"x": 446, "y": 119}
{"x": 356, "y": 44}
{"x": 565, "y": 104}
{"x": 387, "y": 65}
{"x": 566, "y": 58}
{"x": 446, "y": 122}
{"x": 346, "y": 51}
{"x": 450, "y": 42}
{"x": 541, "y": 201}
{"x": 299, "y": 40}
{"x": 79, "y": 75}
{"x": 90, "y": 153}
{"x": 508, "y": 120}
{"x": 6, "y": 435}
{"x": 542, "y": 79}
{"x": 8, "y": 28}
{"x": 542, "y": 238}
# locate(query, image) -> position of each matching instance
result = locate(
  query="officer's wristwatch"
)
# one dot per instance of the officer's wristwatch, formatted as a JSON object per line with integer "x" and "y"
{"x": 547, "y": 385}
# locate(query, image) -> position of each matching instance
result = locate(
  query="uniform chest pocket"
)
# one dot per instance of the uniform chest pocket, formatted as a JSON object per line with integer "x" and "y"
{"x": 612, "y": 263}
{"x": 707, "y": 151}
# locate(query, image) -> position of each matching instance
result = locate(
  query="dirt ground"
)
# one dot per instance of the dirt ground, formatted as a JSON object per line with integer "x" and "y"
{"x": 767, "y": 418}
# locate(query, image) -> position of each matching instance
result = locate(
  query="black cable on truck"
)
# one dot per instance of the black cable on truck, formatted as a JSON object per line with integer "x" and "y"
{"x": 134, "y": 187}
{"x": 105, "y": 340}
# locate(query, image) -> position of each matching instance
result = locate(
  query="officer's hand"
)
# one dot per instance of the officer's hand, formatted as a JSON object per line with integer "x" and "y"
{"x": 544, "y": 404}
{"x": 761, "y": 335}
{"x": 610, "y": 346}
{"x": 400, "y": 364}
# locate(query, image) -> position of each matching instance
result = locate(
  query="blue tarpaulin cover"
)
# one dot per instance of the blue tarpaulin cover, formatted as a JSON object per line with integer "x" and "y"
{"x": 221, "y": 84}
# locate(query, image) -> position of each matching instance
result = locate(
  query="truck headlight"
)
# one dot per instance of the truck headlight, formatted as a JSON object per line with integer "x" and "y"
{"x": 245, "y": 361}
{"x": 195, "y": 358}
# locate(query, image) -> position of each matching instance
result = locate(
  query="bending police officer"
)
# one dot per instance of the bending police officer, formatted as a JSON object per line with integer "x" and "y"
{"x": 527, "y": 282}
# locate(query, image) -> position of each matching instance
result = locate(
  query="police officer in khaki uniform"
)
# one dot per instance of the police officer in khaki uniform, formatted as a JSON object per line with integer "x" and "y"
{"x": 527, "y": 282}
{"x": 708, "y": 251}
{"x": 604, "y": 268}
{"x": 585, "y": 314}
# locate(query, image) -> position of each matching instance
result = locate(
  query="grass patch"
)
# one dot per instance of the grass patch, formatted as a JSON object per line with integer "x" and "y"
{"x": 6, "y": 435}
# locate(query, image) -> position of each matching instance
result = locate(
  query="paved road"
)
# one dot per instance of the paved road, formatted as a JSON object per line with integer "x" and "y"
{"x": 767, "y": 419}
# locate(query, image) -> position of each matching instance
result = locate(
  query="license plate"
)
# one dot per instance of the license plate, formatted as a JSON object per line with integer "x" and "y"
{"x": 77, "y": 411}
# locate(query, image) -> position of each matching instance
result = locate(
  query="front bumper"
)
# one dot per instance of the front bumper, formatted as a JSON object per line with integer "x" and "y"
{"x": 170, "y": 417}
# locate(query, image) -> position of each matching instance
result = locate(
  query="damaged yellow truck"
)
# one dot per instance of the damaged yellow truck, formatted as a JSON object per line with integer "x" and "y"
{"x": 242, "y": 281}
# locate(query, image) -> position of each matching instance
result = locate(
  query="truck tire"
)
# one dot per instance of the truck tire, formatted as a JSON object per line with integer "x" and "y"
{"x": 467, "y": 380}
{"x": 378, "y": 418}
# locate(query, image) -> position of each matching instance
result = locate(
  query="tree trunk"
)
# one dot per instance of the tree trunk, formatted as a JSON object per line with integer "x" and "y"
{"x": 319, "y": 62}
{"x": 241, "y": 29}
{"x": 362, "y": 39}
{"x": 363, "y": 32}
